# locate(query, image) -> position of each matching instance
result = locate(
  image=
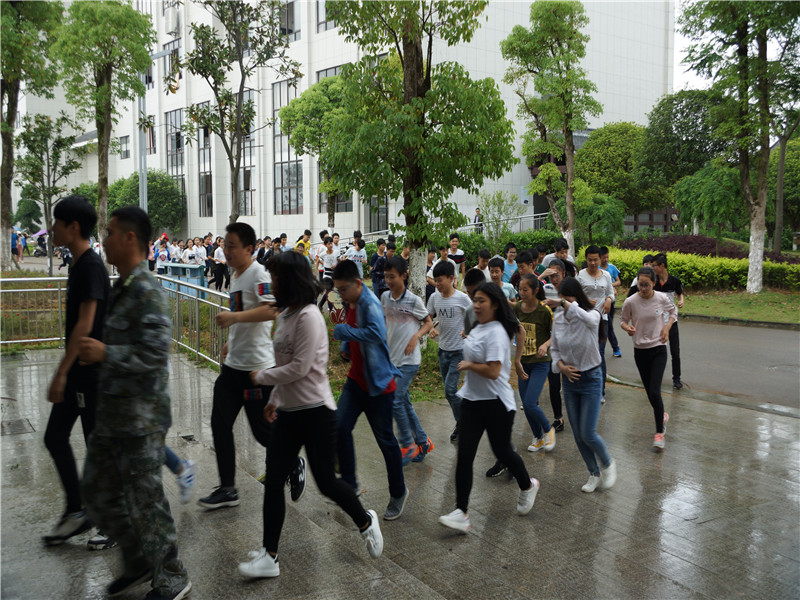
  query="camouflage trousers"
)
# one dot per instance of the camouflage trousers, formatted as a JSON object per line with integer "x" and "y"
{"x": 125, "y": 498}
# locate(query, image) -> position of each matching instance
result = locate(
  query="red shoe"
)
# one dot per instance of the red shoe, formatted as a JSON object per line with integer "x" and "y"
{"x": 424, "y": 449}
{"x": 408, "y": 453}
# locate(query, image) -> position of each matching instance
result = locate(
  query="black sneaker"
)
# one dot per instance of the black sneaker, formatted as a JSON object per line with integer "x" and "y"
{"x": 498, "y": 469}
{"x": 69, "y": 525}
{"x": 677, "y": 384}
{"x": 220, "y": 498}
{"x": 179, "y": 595}
{"x": 456, "y": 431}
{"x": 297, "y": 480}
{"x": 124, "y": 583}
{"x": 558, "y": 425}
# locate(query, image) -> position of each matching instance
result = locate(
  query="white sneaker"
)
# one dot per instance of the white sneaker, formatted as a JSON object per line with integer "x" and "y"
{"x": 536, "y": 445}
{"x": 373, "y": 536}
{"x": 591, "y": 485}
{"x": 608, "y": 476}
{"x": 262, "y": 564}
{"x": 526, "y": 497}
{"x": 186, "y": 481}
{"x": 549, "y": 439}
{"x": 458, "y": 520}
{"x": 100, "y": 541}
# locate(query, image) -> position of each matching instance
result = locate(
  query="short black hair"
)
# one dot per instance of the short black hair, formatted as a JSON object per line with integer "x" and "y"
{"x": 496, "y": 263}
{"x": 534, "y": 284}
{"x": 396, "y": 263}
{"x": 534, "y": 253}
{"x": 345, "y": 271}
{"x": 243, "y": 231}
{"x": 525, "y": 258}
{"x": 454, "y": 236}
{"x": 647, "y": 272}
{"x": 391, "y": 246}
{"x": 322, "y": 234}
{"x": 360, "y": 243}
{"x": 334, "y": 234}
{"x": 593, "y": 249}
{"x": 603, "y": 250}
{"x": 444, "y": 268}
{"x": 557, "y": 263}
{"x": 541, "y": 249}
{"x": 390, "y": 237}
{"x": 133, "y": 218}
{"x": 647, "y": 258}
{"x": 484, "y": 254}
{"x": 357, "y": 233}
{"x": 442, "y": 247}
{"x": 307, "y": 232}
{"x": 474, "y": 277}
{"x": 431, "y": 249}
{"x": 509, "y": 246}
{"x": 296, "y": 285}
{"x": 327, "y": 239}
{"x": 77, "y": 208}
{"x": 660, "y": 259}
{"x": 561, "y": 244}
{"x": 380, "y": 241}
{"x": 283, "y": 236}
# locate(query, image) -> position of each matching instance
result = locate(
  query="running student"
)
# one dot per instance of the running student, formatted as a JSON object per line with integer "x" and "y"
{"x": 407, "y": 321}
{"x": 647, "y": 317}
{"x": 575, "y": 354}
{"x": 249, "y": 348}
{"x": 370, "y": 385}
{"x": 615, "y": 282}
{"x": 496, "y": 272}
{"x": 447, "y": 306}
{"x": 488, "y": 403}
{"x": 554, "y": 274}
{"x": 73, "y": 389}
{"x": 672, "y": 287}
{"x": 377, "y": 262}
{"x": 303, "y": 413}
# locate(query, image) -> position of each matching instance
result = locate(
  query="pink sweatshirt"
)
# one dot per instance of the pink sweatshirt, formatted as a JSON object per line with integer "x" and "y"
{"x": 300, "y": 374}
{"x": 648, "y": 317}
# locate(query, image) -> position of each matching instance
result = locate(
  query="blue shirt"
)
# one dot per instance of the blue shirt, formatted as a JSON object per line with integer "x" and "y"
{"x": 14, "y": 241}
{"x": 613, "y": 271}
{"x": 508, "y": 270}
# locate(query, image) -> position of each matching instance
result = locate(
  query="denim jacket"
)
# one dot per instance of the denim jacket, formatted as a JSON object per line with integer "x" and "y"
{"x": 371, "y": 334}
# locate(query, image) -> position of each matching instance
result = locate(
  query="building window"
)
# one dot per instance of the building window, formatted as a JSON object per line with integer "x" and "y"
{"x": 290, "y": 20}
{"x": 150, "y": 135}
{"x": 288, "y": 169}
{"x": 344, "y": 202}
{"x": 204, "y": 169}
{"x": 377, "y": 214}
{"x": 174, "y": 123}
{"x": 333, "y": 71}
{"x": 125, "y": 146}
{"x": 169, "y": 61}
{"x": 247, "y": 177}
{"x": 323, "y": 23}
{"x": 148, "y": 78}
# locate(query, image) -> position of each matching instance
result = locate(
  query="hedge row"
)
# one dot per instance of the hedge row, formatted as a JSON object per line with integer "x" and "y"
{"x": 706, "y": 272}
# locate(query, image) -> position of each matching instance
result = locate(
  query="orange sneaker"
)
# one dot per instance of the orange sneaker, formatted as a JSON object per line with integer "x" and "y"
{"x": 408, "y": 453}
{"x": 424, "y": 448}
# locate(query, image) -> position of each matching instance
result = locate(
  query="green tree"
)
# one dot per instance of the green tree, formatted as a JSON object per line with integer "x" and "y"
{"x": 412, "y": 128}
{"x": 712, "y": 196}
{"x": 166, "y": 205}
{"x": 680, "y": 138}
{"x": 103, "y": 47}
{"x": 46, "y": 160}
{"x": 606, "y": 162}
{"x": 730, "y": 46}
{"x": 29, "y": 213}
{"x": 308, "y": 120}
{"x": 245, "y": 36}
{"x": 497, "y": 209}
{"x": 87, "y": 189}
{"x": 791, "y": 183}
{"x": 556, "y": 98}
{"x": 27, "y": 33}
{"x": 595, "y": 214}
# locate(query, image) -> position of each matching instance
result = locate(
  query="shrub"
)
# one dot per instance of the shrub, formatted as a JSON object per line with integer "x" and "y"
{"x": 696, "y": 244}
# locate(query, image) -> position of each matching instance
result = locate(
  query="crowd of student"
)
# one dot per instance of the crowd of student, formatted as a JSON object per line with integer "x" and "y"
{"x": 546, "y": 318}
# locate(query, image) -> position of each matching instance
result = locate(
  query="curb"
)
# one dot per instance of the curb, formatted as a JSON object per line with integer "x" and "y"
{"x": 740, "y": 322}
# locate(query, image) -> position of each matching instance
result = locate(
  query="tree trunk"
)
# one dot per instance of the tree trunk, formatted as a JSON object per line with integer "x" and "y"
{"x": 234, "y": 216}
{"x": 417, "y": 265}
{"x": 48, "y": 224}
{"x": 784, "y": 139}
{"x": 104, "y": 124}
{"x": 331, "y": 211}
{"x": 11, "y": 95}
{"x": 569, "y": 158}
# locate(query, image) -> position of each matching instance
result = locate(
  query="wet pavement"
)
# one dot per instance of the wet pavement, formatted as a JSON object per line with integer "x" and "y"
{"x": 716, "y": 514}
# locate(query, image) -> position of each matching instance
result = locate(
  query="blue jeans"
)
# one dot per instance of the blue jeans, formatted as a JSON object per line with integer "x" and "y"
{"x": 529, "y": 391}
{"x": 378, "y": 409}
{"x": 448, "y": 367}
{"x": 409, "y": 429}
{"x": 172, "y": 460}
{"x": 582, "y": 400}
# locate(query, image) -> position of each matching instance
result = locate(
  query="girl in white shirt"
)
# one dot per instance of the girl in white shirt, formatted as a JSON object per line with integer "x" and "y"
{"x": 575, "y": 353}
{"x": 303, "y": 411}
{"x": 488, "y": 402}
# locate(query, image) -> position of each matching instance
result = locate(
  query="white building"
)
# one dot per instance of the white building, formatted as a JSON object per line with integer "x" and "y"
{"x": 629, "y": 58}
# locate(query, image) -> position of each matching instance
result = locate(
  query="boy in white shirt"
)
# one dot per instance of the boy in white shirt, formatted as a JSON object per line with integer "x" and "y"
{"x": 249, "y": 348}
{"x": 358, "y": 255}
{"x": 407, "y": 321}
{"x": 448, "y": 305}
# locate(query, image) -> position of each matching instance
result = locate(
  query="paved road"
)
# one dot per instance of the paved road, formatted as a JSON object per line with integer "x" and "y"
{"x": 752, "y": 363}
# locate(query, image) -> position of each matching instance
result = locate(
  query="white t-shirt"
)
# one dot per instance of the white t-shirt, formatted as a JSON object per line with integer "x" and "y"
{"x": 597, "y": 290}
{"x": 455, "y": 268}
{"x": 450, "y": 312}
{"x": 509, "y": 291}
{"x": 403, "y": 318}
{"x": 329, "y": 262}
{"x": 162, "y": 256}
{"x": 487, "y": 274}
{"x": 219, "y": 254}
{"x": 200, "y": 255}
{"x": 358, "y": 257}
{"x": 320, "y": 253}
{"x": 488, "y": 342}
{"x": 189, "y": 256}
{"x": 250, "y": 344}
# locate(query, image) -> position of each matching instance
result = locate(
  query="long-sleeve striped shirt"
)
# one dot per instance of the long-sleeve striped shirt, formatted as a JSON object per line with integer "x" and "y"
{"x": 574, "y": 338}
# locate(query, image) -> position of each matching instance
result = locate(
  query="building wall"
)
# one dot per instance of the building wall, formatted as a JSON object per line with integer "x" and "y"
{"x": 629, "y": 58}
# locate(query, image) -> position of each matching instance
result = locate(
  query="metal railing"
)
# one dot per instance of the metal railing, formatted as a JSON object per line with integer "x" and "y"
{"x": 33, "y": 315}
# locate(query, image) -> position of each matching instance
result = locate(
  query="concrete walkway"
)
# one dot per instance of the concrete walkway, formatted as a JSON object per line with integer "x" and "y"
{"x": 716, "y": 515}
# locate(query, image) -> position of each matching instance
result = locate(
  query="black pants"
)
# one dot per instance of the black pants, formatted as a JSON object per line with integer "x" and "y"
{"x": 675, "y": 351}
{"x": 314, "y": 428}
{"x": 221, "y": 272}
{"x": 651, "y": 363}
{"x": 229, "y": 398}
{"x": 491, "y": 416}
{"x": 612, "y": 337}
{"x": 554, "y": 385}
{"x": 59, "y": 426}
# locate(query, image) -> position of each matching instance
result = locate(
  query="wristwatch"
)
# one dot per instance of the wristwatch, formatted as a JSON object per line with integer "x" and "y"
{"x": 562, "y": 303}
